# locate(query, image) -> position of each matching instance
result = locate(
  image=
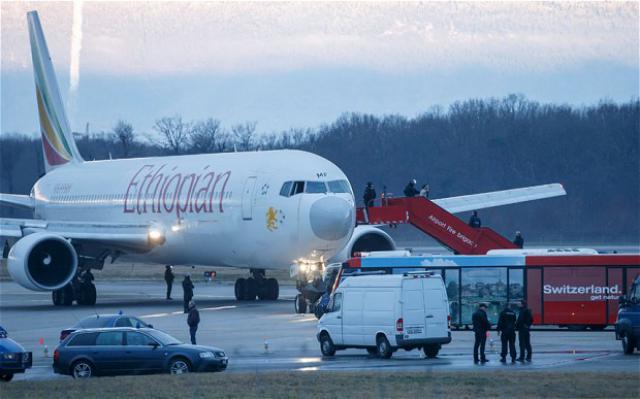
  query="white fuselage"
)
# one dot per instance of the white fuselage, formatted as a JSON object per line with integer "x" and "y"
{"x": 214, "y": 209}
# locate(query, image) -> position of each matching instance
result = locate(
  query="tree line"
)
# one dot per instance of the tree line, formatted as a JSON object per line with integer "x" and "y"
{"x": 472, "y": 146}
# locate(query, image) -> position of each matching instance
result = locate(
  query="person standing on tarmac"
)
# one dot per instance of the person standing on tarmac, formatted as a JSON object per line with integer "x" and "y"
{"x": 168, "y": 278}
{"x": 523, "y": 325}
{"x": 481, "y": 326}
{"x": 193, "y": 319}
{"x": 507, "y": 331}
{"x": 187, "y": 289}
{"x": 410, "y": 190}
{"x": 519, "y": 241}
{"x": 474, "y": 221}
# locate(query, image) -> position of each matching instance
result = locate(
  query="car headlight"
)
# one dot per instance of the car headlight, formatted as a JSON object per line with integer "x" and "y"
{"x": 220, "y": 354}
{"x": 9, "y": 356}
{"x": 206, "y": 355}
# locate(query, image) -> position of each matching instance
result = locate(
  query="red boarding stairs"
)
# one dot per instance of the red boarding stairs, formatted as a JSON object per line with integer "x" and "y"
{"x": 435, "y": 221}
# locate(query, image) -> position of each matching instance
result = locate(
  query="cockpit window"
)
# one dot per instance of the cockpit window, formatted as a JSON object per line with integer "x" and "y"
{"x": 298, "y": 188}
{"x": 285, "y": 191}
{"x": 315, "y": 187}
{"x": 339, "y": 186}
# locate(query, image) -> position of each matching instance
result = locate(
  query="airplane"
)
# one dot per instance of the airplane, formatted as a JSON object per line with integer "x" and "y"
{"x": 263, "y": 210}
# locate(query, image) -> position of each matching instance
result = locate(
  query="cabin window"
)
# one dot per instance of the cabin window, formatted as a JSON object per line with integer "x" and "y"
{"x": 298, "y": 188}
{"x": 339, "y": 186}
{"x": 285, "y": 191}
{"x": 315, "y": 187}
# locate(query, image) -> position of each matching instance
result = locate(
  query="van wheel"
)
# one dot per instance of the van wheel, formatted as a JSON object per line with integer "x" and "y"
{"x": 326, "y": 345}
{"x": 372, "y": 351}
{"x": 300, "y": 304}
{"x": 431, "y": 351}
{"x": 383, "y": 347}
{"x": 628, "y": 344}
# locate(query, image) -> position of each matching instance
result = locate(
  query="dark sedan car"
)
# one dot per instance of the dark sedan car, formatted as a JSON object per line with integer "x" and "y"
{"x": 109, "y": 351}
{"x": 104, "y": 321}
{"x": 13, "y": 358}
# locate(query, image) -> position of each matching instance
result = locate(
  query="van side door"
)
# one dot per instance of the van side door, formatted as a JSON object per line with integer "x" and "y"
{"x": 332, "y": 319}
{"x": 352, "y": 308}
{"x": 436, "y": 307}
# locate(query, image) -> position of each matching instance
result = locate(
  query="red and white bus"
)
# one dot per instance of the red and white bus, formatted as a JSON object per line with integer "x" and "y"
{"x": 568, "y": 288}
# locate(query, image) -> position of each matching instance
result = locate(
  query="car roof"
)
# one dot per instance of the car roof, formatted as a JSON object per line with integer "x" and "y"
{"x": 112, "y": 329}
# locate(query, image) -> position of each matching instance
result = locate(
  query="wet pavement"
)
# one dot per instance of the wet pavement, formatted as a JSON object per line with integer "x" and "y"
{"x": 268, "y": 336}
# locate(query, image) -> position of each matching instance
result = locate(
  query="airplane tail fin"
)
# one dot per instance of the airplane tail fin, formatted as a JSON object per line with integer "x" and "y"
{"x": 58, "y": 146}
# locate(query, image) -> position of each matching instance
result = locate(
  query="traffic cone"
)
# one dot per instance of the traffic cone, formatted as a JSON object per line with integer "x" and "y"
{"x": 46, "y": 351}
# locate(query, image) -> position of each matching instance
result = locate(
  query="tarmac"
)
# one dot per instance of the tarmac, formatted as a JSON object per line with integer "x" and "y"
{"x": 268, "y": 336}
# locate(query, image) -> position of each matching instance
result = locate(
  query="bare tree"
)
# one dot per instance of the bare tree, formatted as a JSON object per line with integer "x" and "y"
{"x": 123, "y": 133}
{"x": 174, "y": 133}
{"x": 204, "y": 136}
{"x": 243, "y": 134}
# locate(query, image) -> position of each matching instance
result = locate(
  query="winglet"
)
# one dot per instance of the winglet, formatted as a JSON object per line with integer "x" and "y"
{"x": 58, "y": 145}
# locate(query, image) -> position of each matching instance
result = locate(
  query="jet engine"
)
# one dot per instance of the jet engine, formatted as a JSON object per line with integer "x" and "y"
{"x": 365, "y": 239}
{"x": 42, "y": 262}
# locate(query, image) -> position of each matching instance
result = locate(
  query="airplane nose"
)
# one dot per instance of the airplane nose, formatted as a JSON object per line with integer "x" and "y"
{"x": 331, "y": 218}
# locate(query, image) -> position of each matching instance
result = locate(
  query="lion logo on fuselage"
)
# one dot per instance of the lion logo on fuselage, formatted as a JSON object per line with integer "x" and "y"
{"x": 274, "y": 218}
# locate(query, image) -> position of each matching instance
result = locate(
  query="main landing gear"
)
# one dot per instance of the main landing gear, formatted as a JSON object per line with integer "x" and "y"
{"x": 265, "y": 289}
{"x": 81, "y": 289}
{"x": 310, "y": 286}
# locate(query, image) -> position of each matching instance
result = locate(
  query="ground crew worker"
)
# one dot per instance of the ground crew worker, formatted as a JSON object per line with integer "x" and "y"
{"x": 507, "y": 331}
{"x": 193, "y": 319}
{"x": 475, "y": 221}
{"x": 519, "y": 241}
{"x": 187, "y": 289}
{"x": 168, "y": 278}
{"x": 480, "y": 327}
{"x": 5, "y": 250}
{"x": 523, "y": 325}
{"x": 369, "y": 195}
{"x": 410, "y": 190}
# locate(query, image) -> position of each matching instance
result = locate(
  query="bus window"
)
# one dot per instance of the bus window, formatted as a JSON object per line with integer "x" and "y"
{"x": 452, "y": 279}
{"x": 516, "y": 286}
{"x": 486, "y": 285}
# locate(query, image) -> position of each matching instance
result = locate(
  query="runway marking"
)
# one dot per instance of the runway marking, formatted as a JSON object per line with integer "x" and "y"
{"x": 156, "y": 315}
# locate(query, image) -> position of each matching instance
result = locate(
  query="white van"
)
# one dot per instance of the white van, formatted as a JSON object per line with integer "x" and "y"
{"x": 385, "y": 312}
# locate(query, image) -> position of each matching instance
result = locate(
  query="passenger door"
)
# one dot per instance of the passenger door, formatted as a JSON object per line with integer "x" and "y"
{"x": 352, "y": 308}
{"x": 143, "y": 353}
{"x": 247, "y": 198}
{"x": 332, "y": 320}
{"x": 436, "y": 308}
{"x": 109, "y": 352}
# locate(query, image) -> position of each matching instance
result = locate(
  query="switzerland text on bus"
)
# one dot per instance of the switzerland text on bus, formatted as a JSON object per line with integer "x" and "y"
{"x": 567, "y": 290}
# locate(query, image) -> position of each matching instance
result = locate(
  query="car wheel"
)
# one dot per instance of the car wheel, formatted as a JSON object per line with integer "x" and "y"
{"x": 6, "y": 377}
{"x": 326, "y": 345}
{"x": 82, "y": 369}
{"x": 372, "y": 351}
{"x": 300, "y": 304}
{"x": 179, "y": 366}
{"x": 431, "y": 351}
{"x": 383, "y": 347}
{"x": 628, "y": 344}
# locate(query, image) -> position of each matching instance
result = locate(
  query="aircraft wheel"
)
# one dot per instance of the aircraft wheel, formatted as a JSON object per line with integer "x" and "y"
{"x": 273, "y": 289}
{"x": 239, "y": 289}
{"x": 87, "y": 295}
{"x": 63, "y": 296}
{"x": 250, "y": 289}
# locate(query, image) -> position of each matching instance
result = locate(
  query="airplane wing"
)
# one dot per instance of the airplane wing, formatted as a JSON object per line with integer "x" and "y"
{"x": 20, "y": 201}
{"x": 497, "y": 198}
{"x": 131, "y": 237}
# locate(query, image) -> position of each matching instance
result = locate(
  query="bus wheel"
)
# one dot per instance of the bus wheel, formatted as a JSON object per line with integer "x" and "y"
{"x": 597, "y": 327}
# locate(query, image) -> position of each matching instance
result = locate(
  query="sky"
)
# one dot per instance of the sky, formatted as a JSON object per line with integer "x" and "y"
{"x": 287, "y": 65}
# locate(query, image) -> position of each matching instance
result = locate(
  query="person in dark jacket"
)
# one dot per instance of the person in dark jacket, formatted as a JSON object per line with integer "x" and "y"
{"x": 474, "y": 221}
{"x": 187, "y": 289}
{"x": 519, "y": 241}
{"x": 523, "y": 325}
{"x": 410, "y": 190}
{"x": 507, "y": 331}
{"x": 168, "y": 278}
{"x": 193, "y": 319}
{"x": 369, "y": 195}
{"x": 480, "y": 327}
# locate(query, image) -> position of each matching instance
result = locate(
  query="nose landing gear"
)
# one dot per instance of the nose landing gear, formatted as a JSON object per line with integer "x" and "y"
{"x": 265, "y": 289}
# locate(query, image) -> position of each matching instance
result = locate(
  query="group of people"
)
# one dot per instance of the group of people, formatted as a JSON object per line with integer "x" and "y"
{"x": 410, "y": 190}
{"x": 508, "y": 323}
{"x": 474, "y": 221}
{"x": 193, "y": 318}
